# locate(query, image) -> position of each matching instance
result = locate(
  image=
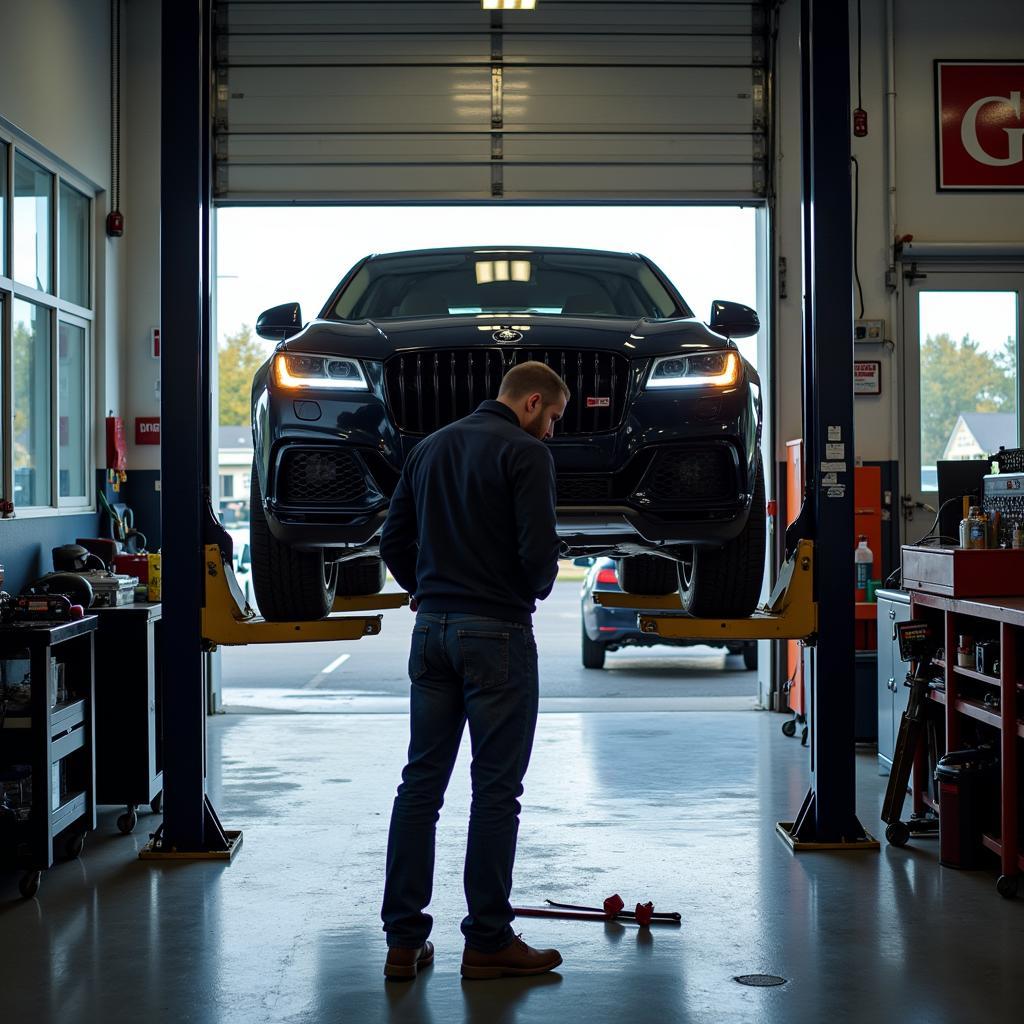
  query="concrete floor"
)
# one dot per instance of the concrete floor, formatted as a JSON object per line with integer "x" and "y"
{"x": 676, "y": 808}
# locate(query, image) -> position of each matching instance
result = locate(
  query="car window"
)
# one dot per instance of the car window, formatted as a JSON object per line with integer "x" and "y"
{"x": 485, "y": 283}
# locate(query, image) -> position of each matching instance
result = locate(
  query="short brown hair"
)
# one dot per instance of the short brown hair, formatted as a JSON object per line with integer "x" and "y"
{"x": 533, "y": 377}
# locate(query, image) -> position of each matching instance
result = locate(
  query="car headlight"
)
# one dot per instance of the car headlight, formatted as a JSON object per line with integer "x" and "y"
{"x": 294, "y": 370}
{"x": 716, "y": 369}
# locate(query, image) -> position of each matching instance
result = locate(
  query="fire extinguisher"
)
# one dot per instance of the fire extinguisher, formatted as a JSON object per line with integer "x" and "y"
{"x": 117, "y": 452}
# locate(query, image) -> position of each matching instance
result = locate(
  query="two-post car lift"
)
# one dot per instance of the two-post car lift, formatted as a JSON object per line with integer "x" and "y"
{"x": 815, "y": 597}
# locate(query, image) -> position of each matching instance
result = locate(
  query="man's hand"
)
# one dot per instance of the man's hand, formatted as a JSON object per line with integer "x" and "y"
{"x": 413, "y": 605}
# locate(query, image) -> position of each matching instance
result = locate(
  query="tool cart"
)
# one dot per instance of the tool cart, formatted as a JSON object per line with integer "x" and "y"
{"x": 129, "y": 739}
{"x": 47, "y": 753}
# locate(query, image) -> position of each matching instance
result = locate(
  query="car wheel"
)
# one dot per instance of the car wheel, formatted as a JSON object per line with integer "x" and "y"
{"x": 725, "y": 582}
{"x": 648, "y": 574}
{"x": 750, "y": 657}
{"x": 290, "y": 585}
{"x": 593, "y": 652}
{"x": 361, "y": 576}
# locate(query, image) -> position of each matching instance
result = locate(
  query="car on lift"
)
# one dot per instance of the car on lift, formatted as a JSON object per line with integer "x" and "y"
{"x": 657, "y": 456}
{"x": 611, "y": 629}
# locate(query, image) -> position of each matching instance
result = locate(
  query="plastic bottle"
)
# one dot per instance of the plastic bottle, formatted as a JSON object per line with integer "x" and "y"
{"x": 863, "y": 559}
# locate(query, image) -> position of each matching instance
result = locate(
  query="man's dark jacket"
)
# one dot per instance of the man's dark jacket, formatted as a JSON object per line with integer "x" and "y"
{"x": 471, "y": 526}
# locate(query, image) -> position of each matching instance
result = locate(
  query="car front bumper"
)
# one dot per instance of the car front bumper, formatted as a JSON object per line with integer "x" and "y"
{"x": 609, "y": 496}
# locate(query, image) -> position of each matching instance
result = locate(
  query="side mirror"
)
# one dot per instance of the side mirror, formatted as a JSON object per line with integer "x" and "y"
{"x": 584, "y": 562}
{"x": 733, "y": 319}
{"x": 279, "y": 322}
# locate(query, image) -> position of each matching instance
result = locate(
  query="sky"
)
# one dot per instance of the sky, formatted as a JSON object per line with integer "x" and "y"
{"x": 270, "y": 255}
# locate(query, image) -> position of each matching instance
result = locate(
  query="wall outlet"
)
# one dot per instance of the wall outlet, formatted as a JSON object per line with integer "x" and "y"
{"x": 869, "y": 330}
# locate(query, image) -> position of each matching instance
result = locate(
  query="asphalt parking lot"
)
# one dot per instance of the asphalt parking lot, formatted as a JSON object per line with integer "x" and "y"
{"x": 319, "y": 676}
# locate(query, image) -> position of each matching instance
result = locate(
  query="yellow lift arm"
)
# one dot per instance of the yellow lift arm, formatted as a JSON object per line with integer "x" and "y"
{"x": 229, "y": 621}
{"x": 790, "y": 614}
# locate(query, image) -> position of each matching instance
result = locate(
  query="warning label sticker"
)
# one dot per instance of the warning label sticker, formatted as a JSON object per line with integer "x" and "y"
{"x": 838, "y": 491}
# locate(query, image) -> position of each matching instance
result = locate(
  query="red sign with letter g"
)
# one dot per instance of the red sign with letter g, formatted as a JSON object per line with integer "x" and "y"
{"x": 980, "y": 129}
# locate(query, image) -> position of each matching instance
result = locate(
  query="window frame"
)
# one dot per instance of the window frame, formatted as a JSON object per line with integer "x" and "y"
{"x": 944, "y": 275}
{"x": 58, "y": 310}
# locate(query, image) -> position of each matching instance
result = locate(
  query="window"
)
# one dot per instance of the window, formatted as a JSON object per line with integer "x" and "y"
{"x": 3, "y": 208}
{"x": 227, "y": 485}
{"x": 46, "y": 337}
{"x": 74, "y": 246}
{"x": 968, "y": 351}
{"x": 72, "y": 400}
{"x": 30, "y": 359}
{"x": 33, "y": 198}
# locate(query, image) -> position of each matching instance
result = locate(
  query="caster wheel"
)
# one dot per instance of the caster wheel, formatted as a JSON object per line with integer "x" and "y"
{"x": 74, "y": 846}
{"x": 29, "y": 884}
{"x": 126, "y": 822}
{"x": 156, "y": 805}
{"x": 789, "y": 728}
{"x": 897, "y": 834}
{"x": 1006, "y": 886}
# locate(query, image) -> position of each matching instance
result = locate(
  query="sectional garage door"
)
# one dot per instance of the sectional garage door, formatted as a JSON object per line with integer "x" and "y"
{"x": 576, "y": 100}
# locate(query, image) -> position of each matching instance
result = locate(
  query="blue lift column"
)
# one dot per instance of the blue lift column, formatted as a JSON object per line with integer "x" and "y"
{"x": 190, "y": 826}
{"x": 828, "y": 815}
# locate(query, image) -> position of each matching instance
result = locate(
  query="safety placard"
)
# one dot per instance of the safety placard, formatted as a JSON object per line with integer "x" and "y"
{"x": 867, "y": 377}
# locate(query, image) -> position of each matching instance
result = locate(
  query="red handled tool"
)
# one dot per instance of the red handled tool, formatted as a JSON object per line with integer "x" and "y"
{"x": 613, "y": 908}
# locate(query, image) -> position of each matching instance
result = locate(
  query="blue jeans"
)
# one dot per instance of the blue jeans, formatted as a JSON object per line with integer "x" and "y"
{"x": 484, "y": 671}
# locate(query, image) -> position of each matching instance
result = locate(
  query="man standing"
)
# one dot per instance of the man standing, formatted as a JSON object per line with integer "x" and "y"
{"x": 471, "y": 535}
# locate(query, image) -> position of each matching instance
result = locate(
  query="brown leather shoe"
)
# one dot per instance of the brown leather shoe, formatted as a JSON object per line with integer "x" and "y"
{"x": 516, "y": 959}
{"x": 403, "y": 963}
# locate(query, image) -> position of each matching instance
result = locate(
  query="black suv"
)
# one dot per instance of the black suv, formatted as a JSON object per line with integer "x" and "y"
{"x": 657, "y": 456}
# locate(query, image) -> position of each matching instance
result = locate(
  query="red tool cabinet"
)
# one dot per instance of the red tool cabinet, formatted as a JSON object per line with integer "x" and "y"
{"x": 997, "y": 702}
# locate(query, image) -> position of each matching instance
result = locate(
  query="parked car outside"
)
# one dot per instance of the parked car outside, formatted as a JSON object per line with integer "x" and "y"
{"x": 657, "y": 457}
{"x": 610, "y": 629}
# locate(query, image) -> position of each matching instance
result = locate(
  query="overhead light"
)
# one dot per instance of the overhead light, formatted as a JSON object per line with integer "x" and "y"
{"x": 508, "y": 5}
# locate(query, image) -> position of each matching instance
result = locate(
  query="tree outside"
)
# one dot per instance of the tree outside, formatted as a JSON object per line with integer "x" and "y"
{"x": 239, "y": 355}
{"x": 961, "y": 378}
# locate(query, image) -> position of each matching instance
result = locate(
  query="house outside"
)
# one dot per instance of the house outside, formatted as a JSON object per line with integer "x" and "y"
{"x": 234, "y": 469}
{"x": 977, "y": 434}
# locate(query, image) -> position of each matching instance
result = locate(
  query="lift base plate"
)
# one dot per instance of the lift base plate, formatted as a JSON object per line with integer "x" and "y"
{"x": 785, "y": 829}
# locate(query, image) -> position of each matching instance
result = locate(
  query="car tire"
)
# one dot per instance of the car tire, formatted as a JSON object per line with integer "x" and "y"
{"x": 361, "y": 577}
{"x": 290, "y": 585}
{"x": 725, "y": 582}
{"x": 648, "y": 574}
{"x": 593, "y": 652}
{"x": 750, "y": 657}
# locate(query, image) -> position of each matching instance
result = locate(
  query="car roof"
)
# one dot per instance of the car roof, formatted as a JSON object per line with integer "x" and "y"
{"x": 491, "y": 249}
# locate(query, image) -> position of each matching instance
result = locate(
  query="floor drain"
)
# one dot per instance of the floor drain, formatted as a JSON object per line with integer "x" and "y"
{"x": 760, "y": 980}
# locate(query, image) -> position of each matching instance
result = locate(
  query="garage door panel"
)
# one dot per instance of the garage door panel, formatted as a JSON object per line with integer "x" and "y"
{"x": 348, "y": 99}
{"x": 634, "y": 181}
{"x": 628, "y": 99}
{"x": 365, "y": 183}
{"x": 345, "y": 100}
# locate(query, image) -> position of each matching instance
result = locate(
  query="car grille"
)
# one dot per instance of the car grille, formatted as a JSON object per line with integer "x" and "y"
{"x": 427, "y": 390}
{"x": 583, "y": 488}
{"x": 691, "y": 474}
{"x": 319, "y": 477}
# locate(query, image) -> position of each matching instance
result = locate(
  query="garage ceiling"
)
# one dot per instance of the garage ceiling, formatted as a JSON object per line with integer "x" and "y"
{"x": 577, "y": 100}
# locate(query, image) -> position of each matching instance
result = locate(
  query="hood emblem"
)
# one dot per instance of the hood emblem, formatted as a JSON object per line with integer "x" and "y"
{"x": 506, "y": 336}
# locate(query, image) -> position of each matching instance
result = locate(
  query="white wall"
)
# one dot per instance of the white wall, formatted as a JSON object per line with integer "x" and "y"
{"x": 923, "y": 31}
{"x": 55, "y": 87}
{"x": 140, "y": 107}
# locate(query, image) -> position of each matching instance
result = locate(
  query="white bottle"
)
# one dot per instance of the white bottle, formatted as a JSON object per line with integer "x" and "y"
{"x": 863, "y": 559}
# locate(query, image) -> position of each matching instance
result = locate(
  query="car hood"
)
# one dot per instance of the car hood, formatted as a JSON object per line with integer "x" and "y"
{"x": 366, "y": 339}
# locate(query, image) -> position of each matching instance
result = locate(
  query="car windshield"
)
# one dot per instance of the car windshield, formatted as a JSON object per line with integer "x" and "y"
{"x": 489, "y": 282}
